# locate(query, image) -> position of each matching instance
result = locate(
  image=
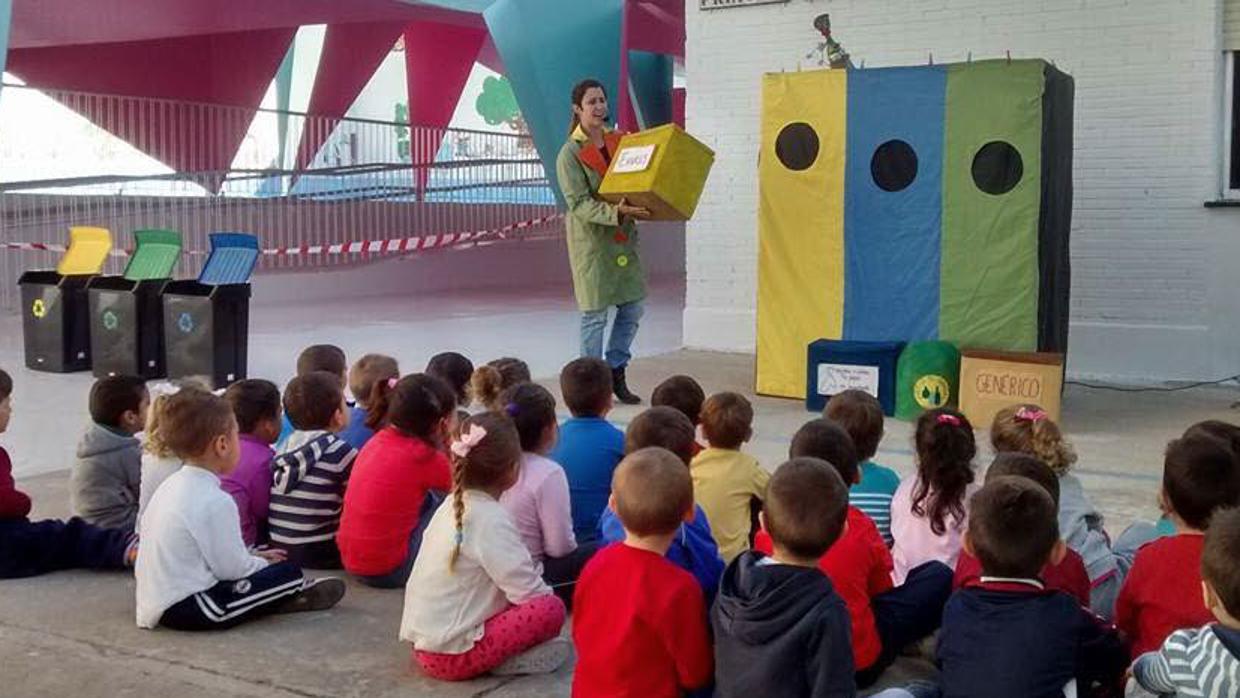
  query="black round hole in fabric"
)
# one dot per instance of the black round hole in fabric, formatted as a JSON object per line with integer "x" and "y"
{"x": 997, "y": 168}
{"x": 797, "y": 146}
{"x": 894, "y": 165}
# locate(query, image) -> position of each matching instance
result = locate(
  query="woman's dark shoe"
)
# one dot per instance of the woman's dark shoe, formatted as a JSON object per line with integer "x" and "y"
{"x": 621, "y": 387}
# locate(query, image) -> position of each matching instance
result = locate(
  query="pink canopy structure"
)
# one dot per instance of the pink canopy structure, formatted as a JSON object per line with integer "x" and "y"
{"x": 227, "y": 52}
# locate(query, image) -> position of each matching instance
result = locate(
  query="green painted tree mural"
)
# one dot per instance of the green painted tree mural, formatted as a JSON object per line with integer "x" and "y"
{"x": 498, "y": 105}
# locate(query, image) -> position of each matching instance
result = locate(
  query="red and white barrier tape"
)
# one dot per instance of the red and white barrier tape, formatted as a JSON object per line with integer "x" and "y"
{"x": 394, "y": 246}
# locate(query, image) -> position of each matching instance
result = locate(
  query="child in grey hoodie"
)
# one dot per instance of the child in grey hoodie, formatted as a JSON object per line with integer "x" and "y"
{"x": 105, "y": 482}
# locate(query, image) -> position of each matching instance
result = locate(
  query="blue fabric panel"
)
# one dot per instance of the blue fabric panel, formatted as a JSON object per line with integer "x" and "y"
{"x": 891, "y": 238}
{"x": 548, "y": 46}
{"x": 232, "y": 259}
{"x": 6, "y": 10}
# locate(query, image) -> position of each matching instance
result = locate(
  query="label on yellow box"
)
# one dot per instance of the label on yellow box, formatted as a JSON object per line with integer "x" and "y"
{"x": 634, "y": 159}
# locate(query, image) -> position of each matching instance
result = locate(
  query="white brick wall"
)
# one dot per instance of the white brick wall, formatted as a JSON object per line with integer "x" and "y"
{"x": 1156, "y": 278}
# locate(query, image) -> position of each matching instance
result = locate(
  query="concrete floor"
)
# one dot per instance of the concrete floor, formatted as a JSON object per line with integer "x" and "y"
{"x": 74, "y": 633}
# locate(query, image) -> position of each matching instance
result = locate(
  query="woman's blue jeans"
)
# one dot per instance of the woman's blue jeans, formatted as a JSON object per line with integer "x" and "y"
{"x": 623, "y": 330}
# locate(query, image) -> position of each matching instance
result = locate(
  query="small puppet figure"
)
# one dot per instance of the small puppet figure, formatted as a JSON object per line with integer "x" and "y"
{"x": 830, "y": 52}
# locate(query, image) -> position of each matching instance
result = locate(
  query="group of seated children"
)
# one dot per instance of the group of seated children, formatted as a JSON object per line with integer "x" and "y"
{"x": 687, "y": 566}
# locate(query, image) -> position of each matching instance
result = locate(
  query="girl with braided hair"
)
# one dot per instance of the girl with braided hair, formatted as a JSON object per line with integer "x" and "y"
{"x": 475, "y": 602}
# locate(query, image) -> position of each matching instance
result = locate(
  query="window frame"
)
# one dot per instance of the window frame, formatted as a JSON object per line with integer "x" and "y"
{"x": 1229, "y": 123}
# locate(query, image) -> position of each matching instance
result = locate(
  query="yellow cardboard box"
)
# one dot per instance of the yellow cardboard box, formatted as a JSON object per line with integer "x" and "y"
{"x": 993, "y": 380}
{"x": 663, "y": 169}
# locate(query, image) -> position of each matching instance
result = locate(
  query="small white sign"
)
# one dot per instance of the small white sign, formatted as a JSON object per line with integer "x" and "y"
{"x": 634, "y": 159}
{"x": 724, "y": 4}
{"x": 834, "y": 379}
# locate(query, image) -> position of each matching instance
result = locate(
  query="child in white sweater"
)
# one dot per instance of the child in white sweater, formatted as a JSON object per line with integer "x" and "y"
{"x": 194, "y": 571}
{"x": 475, "y": 602}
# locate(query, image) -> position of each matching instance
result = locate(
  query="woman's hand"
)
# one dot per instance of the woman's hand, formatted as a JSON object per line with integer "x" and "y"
{"x": 627, "y": 210}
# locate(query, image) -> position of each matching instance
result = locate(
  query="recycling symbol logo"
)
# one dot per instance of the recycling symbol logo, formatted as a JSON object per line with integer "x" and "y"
{"x": 110, "y": 321}
{"x": 186, "y": 323}
{"x": 39, "y": 309}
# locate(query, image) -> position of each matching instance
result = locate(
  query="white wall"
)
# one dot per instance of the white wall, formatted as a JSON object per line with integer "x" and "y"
{"x": 1156, "y": 276}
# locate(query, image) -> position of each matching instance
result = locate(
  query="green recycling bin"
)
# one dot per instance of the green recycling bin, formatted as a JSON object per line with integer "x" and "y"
{"x": 927, "y": 377}
{"x": 126, "y": 312}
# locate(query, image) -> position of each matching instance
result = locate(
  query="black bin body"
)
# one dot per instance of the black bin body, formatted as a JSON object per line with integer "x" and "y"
{"x": 127, "y": 327}
{"x": 55, "y": 321}
{"x": 206, "y": 330}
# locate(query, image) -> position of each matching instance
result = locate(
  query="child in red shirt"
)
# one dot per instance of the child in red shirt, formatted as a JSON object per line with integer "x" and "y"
{"x": 398, "y": 480}
{"x": 1067, "y": 575}
{"x": 1162, "y": 593}
{"x": 639, "y": 621}
{"x": 884, "y": 619}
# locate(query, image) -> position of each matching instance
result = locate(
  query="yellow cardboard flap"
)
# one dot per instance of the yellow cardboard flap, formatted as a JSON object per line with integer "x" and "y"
{"x": 88, "y": 250}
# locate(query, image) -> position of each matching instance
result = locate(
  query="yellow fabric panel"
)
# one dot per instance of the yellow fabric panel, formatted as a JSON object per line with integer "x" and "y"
{"x": 1231, "y": 25}
{"x": 800, "y": 228}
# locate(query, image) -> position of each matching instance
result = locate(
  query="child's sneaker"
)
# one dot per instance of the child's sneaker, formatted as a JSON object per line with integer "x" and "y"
{"x": 542, "y": 659}
{"x": 315, "y": 595}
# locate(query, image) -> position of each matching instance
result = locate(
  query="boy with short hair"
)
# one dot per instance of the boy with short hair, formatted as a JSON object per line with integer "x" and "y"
{"x": 726, "y": 482}
{"x": 589, "y": 447}
{"x": 1068, "y": 576}
{"x": 1005, "y": 634}
{"x": 30, "y": 548}
{"x": 861, "y": 415}
{"x": 694, "y": 548}
{"x": 684, "y": 394}
{"x": 884, "y": 619}
{"x": 309, "y": 478}
{"x": 639, "y": 622}
{"x": 105, "y": 483}
{"x": 1204, "y": 661}
{"x": 1162, "y": 592}
{"x": 193, "y": 570}
{"x": 328, "y": 358}
{"x": 780, "y": 628}
{"x": 256, "y": 405}
{"x": 365, "y": 373}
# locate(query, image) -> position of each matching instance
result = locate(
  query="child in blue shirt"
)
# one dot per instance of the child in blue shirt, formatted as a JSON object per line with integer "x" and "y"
{"x": 366, "y": 372}
{"x": 694, "y": 548}
{"x": 590, "y": 447}
{"x": 861, "y": 415}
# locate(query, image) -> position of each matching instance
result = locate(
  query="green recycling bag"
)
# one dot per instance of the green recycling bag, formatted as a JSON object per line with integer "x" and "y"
{"x": 927, "y": 377}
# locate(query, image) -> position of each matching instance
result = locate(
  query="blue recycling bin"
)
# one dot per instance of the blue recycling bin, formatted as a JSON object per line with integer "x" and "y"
{"x": 834, "y": 366}
{"x": 207, "y": 321}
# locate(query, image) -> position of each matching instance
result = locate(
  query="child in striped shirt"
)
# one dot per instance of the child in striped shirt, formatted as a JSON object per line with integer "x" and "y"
{"x": 1204, "y": 661}
{"x": 309, "y": 478}
{"x": 861, "y": 415}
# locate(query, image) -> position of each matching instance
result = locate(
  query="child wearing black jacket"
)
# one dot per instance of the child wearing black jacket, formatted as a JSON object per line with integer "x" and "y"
{"x": 780, "y": 628}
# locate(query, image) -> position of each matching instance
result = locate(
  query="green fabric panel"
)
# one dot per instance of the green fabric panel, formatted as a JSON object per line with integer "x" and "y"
{"x": 989, "y": 266}
{"x": 927, "y": 377}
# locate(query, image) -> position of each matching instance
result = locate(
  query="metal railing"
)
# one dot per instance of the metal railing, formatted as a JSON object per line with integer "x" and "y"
{"x": 200, "y": 169}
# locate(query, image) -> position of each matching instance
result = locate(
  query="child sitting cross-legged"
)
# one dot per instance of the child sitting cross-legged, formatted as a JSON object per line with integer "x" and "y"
{"x": 30, "y": 548}
{"x": 158, "y": 463}
{"x": 780, "y": 628}
{"x": 366, "y": 373}
{"x": 685, "y": 395}
{"x": 105, "y": 483}
{"x": 193, "y": 570}
{"x": 1204, "y": 661}
{"x": 589, "y": 447}
{"x": 327, "y": 358}
{"x": 454, "y": 369}
{"x": 1068, "y": 575}
{"x": 256, "y": 404}
{"x": 694, "y": 548}
{"x": 1162, "y": 592}
{"x": 1006, "y": 634}
{"x": 930, "y": 511}
{"x": 398, "y": 480}
{"x": 727, "y": 483}
{"x": 492, "y": 379}
{"x": 639, "y": 622}
{"x": 861, "y": 415}
{"x": 475, "y": 602}
{"x": 539, "y": 501}
{"x": 884, "y": 619}
{"x": 309, "y": 477}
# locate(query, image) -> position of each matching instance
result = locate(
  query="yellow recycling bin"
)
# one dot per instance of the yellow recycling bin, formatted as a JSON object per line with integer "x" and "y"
{"x": 662, "y": 169}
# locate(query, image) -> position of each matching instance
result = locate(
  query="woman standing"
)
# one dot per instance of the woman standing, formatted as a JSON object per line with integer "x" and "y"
{"x": 602, "y": 238}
